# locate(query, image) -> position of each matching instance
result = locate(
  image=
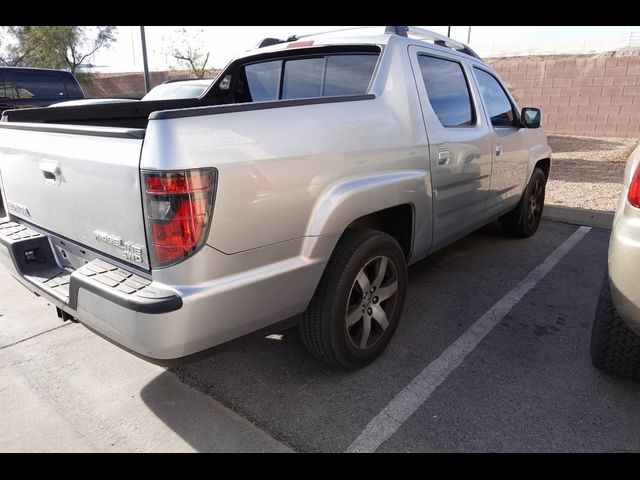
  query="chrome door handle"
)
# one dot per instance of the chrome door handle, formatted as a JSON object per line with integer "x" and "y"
{"x": 498, "y": 150}
{"x": 443, "y": 157}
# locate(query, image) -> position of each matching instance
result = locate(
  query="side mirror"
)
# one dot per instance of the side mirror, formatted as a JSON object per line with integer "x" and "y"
{"x": 531, "y": 117}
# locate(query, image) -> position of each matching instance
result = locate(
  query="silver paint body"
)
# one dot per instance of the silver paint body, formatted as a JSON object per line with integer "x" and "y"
{"x": 290, "y": 181}
{"x": 624, "y": 252}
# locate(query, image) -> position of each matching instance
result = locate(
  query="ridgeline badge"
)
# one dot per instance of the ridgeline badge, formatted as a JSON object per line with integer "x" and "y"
{"x": 130, "y": 250}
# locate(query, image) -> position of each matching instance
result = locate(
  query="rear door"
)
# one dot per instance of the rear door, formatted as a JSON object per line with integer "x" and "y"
{"x": 39, "y": 89}
{"x": 459, "y": 143}
{"x": 510, "y": 144}
{"x": 7, "y": 93}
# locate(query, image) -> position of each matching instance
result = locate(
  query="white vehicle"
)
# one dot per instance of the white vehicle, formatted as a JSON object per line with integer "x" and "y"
{"x": 170, "y": 90}
{"x": 615, "y": 337}
{"x": 304, "y": 181}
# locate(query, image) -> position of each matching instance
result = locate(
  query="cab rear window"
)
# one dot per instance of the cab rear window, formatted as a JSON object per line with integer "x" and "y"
{"x": 307, "y": 77}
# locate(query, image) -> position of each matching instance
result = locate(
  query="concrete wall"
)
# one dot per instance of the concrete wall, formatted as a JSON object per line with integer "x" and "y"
{"x": 579, "y": 95}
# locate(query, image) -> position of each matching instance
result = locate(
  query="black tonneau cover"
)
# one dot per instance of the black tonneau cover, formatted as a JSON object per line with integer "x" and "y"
{"x": 126, "y": 114}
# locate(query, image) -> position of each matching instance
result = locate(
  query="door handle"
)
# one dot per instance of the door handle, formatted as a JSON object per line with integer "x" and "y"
{"x": 51, "y": 172}
{"x": 498, "y": 150}
{"x": 443, "y": 157}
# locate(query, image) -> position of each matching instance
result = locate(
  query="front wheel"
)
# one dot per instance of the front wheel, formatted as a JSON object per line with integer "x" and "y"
{"x": 524, "y": 219}
{"x": 358, "y": 303}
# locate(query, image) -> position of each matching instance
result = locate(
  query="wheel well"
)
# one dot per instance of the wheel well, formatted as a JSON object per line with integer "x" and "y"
{"x": 395, "y": 221}
{"x": 545, "y": 166}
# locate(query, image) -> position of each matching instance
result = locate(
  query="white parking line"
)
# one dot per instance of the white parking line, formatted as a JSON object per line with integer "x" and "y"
{"x": 391, "y": 418}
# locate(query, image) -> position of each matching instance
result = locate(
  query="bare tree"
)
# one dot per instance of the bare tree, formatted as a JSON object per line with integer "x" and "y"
{"x": 189, "y": 50}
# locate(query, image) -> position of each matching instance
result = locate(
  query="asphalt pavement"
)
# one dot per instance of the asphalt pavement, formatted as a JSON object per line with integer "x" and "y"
{"x": 525, "y": 384}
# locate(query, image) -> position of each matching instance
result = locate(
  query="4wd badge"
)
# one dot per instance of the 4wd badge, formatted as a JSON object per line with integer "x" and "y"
{"x": 130, "y": 251}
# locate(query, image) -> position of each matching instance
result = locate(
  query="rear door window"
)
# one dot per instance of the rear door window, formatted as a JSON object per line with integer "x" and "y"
{"x": 447, "y": 90}
{"x": 39, "y": 85}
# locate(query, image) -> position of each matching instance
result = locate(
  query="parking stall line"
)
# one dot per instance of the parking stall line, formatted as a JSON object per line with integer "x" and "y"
{"x": 400, "y": 408}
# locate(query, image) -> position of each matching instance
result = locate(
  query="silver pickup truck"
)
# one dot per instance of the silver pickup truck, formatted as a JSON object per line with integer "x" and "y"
{"x": 298, "y": 187}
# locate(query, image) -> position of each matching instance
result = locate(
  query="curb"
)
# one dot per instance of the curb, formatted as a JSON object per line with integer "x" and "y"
{"x": 578, "y": 216}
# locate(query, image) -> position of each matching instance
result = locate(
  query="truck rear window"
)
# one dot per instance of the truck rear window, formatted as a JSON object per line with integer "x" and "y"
{"x": 309, "y": 77}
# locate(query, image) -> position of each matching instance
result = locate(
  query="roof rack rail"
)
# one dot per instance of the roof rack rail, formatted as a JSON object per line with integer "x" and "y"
{"x": 402, "y": 31}
{"x": 437, "y": 39}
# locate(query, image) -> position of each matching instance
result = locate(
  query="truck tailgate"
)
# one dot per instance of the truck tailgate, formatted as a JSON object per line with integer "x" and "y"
{"x": 81, "y": 183}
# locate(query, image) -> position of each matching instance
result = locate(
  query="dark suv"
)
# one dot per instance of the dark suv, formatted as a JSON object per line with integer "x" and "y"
{"x": 36, "y": 87}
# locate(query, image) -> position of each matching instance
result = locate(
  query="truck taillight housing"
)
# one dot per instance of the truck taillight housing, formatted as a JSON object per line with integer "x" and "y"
{"x": 177, "y": 207}
{"x": 634, "y": 189}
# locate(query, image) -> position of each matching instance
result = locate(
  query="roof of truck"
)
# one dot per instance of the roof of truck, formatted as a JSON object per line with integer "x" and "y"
{"x": 367, "y": 36}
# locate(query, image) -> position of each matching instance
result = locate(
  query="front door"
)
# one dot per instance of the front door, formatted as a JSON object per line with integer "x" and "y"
{"x": 510, "y": 145}
{"x": 459, "y": 144}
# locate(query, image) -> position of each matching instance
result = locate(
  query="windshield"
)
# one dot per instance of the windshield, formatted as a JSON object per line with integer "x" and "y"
{"x": 167, "y": 91}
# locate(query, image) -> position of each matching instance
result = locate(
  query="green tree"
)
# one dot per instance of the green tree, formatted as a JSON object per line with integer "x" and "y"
{"x": 65, "y": 47}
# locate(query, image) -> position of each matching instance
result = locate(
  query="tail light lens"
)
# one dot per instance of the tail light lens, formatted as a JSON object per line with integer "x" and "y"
{"x": 178, "y": 207}
{"x": 634, "y": 189}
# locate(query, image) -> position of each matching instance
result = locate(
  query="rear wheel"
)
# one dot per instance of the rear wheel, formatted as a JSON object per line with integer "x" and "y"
{"x": 524, "y": 219}
{"x": 359, "y": 300}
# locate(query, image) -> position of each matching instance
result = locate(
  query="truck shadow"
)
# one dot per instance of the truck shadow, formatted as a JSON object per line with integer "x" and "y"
{"x": 282, "y": 366}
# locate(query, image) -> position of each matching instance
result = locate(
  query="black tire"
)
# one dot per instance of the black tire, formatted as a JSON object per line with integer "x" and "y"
{"x": 324, "y": 328}
{"x": 524, "y": 219}
{"x": 615, "y": 348}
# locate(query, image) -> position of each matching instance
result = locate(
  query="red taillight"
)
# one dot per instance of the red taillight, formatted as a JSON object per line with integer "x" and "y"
{"x": 178, "y": 208}
{"x": 634, "y": 189}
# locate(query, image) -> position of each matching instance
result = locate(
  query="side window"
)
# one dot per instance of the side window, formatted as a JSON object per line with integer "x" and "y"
{"x": 40, "y": 85}
{"x": 499, "y": 106}
{"x": 447, "y": 90}
{"x": 3, "y": 95}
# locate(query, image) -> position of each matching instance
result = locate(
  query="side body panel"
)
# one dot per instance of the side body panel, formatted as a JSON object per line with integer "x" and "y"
{"x": 624, "y": 252}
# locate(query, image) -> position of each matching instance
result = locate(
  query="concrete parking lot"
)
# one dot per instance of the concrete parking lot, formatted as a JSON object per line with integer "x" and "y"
{"x": 491, "y": 355}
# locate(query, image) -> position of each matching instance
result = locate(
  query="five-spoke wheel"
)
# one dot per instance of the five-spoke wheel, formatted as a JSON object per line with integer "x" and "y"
{"x": 358, "y": 303}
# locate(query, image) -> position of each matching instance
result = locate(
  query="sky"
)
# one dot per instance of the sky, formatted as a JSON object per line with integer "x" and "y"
{"x": 224, "y": 42}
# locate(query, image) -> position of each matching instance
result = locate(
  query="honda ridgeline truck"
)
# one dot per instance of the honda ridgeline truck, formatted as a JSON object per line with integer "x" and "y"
{"x": 299, "y": 186}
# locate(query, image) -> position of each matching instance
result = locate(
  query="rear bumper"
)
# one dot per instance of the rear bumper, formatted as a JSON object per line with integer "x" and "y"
{"x": 182, "y": 310}
{"x": 624, "y": 262}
